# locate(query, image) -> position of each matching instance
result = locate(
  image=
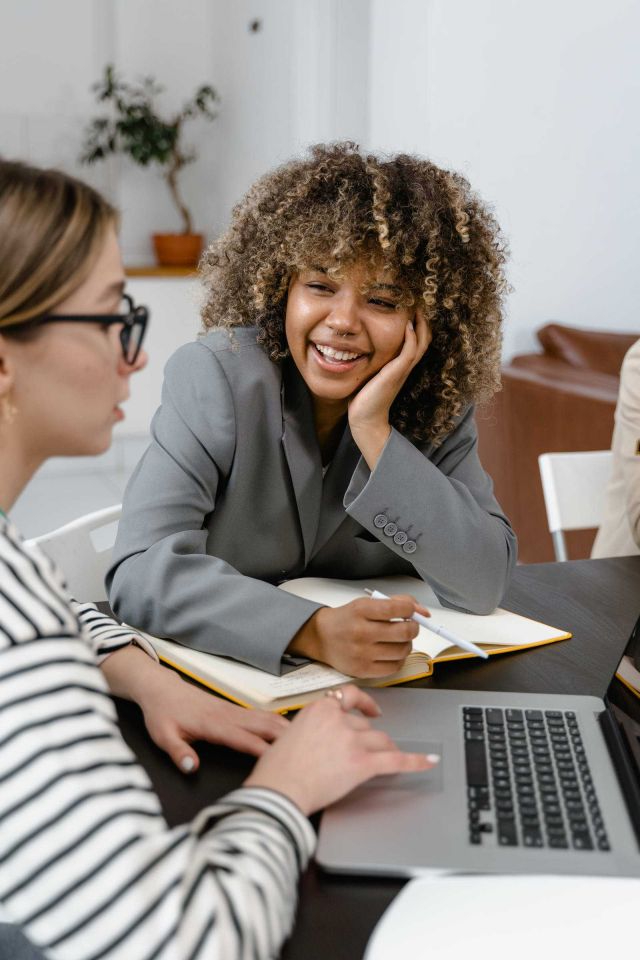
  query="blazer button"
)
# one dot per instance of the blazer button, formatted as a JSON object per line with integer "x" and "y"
{"x": 380, "y": 521}
{"x": 400, "y": 538}
{"x": 410, "y": 546}
{"x": 391, "y": 529}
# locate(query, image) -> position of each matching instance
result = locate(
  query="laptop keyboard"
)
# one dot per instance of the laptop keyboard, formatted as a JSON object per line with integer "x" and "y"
{"x": 528, "y": 780}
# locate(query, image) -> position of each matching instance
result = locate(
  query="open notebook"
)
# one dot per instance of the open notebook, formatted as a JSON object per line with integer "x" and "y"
{"x": 499, "y": 632}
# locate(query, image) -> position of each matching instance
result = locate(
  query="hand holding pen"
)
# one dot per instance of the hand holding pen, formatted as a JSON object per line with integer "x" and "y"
{"x": 436, "y": 628}
{"x": 363, "y": 638}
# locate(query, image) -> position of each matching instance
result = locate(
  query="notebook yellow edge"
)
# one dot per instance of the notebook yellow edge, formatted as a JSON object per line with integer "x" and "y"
{"x": 500, "y": 649}
{"x": 629, "y": 686}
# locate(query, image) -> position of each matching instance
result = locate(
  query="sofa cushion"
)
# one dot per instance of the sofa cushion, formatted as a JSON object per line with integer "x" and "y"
{"x": 588, "y": 349}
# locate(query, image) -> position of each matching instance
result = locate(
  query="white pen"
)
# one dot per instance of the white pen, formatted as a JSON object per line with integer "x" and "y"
{"x": 428, "y": 624}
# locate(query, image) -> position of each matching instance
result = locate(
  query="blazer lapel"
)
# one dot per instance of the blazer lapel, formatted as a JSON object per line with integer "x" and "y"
{"x": 302, "y": 453}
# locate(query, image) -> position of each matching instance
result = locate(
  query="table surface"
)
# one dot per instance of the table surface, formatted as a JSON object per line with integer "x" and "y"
{"x": 598, "y": 601}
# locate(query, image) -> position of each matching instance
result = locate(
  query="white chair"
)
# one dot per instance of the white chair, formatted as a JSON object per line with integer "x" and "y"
{"x": 82, "y": 550}
{"x": 574, "y": 487}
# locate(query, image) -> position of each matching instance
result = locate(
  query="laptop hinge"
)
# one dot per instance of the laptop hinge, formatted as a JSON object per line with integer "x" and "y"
{"x": 624, "y": 758}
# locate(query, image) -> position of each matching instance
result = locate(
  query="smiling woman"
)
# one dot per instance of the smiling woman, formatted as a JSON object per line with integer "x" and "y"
{"x": 324, "y": 424}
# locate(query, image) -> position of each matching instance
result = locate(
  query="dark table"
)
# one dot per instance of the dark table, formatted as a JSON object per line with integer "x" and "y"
{"x": 597, "y": 600}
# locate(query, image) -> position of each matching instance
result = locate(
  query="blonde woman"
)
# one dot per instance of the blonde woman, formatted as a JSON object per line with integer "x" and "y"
{"x": 88, "y": 866}
{"x": 324, "y": 424}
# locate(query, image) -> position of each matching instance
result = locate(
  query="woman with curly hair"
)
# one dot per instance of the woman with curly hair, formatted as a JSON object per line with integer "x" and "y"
{"x": 323, "y": 425}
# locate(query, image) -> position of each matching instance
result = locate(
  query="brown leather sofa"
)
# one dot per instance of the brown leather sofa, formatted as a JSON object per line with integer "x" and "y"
{"x": 561, "y": 399}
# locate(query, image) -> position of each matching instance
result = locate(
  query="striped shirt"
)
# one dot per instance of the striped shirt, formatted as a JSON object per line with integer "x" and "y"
{"x": 88, "y": 866}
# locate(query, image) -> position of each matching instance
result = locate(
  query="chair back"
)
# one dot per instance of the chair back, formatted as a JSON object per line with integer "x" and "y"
{"x": 82, "y": 550}
{"x": 574, "y": 486}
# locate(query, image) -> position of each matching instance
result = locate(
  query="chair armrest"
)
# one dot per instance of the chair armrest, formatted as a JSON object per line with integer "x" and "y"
{"x": 553, "y": 375}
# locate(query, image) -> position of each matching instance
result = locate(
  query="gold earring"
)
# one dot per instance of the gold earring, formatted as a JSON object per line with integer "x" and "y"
{"x": 8, "y": 410}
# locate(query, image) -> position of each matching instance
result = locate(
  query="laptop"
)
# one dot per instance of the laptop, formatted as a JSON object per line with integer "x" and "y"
{"x": 527, "y": 783}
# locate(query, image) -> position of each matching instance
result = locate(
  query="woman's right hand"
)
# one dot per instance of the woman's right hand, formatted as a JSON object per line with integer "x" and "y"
{"x": 363, "y": 638}
{"x": 327, "y": 751}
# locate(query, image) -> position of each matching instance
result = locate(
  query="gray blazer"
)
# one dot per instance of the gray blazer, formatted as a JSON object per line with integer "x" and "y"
{"x": 229, "y": 500}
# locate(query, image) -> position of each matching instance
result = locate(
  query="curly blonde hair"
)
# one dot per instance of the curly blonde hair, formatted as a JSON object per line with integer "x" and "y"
{"x": 403, "y": 214}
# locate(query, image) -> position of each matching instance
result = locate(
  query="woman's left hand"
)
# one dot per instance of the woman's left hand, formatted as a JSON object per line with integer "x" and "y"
{"x": 177, "y": 713}
{"x": 369, "y": 409}
{"x": 185, "y": 713}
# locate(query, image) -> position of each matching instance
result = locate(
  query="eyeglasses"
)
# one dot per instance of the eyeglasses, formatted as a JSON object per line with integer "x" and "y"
{"x": 133, "y": 319}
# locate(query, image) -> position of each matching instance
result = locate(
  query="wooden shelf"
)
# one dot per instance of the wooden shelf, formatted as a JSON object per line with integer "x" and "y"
{"x": 161, "y": 271}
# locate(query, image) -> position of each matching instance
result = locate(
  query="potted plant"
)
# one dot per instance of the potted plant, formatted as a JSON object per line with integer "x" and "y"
{"x": 135, "y": 128}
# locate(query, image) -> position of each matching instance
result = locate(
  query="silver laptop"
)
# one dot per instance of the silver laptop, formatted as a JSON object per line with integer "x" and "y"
{"x": 527, "y": 783}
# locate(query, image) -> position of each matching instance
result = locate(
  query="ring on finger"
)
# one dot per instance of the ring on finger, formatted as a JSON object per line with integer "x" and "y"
{"x": 336, "y": 695}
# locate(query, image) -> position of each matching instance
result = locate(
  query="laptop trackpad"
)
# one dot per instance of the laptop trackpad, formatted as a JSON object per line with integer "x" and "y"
{"x": 426, "y": 781}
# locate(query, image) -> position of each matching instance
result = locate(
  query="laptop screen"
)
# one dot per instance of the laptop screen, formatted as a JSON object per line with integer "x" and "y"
{"x": 623, "y": 700}
{"x": 624, "y": 689}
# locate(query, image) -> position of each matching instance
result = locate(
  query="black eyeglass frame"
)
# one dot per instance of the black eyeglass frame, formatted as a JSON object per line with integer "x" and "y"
{"x": 137, "y": 316}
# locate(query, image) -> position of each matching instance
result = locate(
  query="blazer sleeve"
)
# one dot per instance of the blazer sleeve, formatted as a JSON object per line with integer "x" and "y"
{"x": 162, "y": 579}
{"x": 440, "y": 515}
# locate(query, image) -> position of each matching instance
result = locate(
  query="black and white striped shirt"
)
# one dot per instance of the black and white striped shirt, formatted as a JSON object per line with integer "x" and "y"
{"x": 88, "y": 866}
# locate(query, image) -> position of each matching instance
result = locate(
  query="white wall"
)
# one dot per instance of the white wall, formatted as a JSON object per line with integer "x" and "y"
{"x": 175, "y": 319}
{"x": 301, "y": 77}
{"x": 52, "y": 53}
{"x": 537, "y": 104}
{"x": 255, "y": 127}
{"x": 398, "y": 106}
{"x": 48, "y": 58}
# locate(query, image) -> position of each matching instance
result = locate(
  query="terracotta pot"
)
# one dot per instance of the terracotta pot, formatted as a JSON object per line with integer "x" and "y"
{"x": 177, "y": 249}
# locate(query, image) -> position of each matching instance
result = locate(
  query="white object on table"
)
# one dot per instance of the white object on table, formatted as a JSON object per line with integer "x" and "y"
{"x": 501, "y": 917}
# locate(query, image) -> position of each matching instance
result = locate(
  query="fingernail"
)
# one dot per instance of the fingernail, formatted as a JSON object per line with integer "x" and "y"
{"x": 187, "y": 764}
{"x": 433, "y": 757}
